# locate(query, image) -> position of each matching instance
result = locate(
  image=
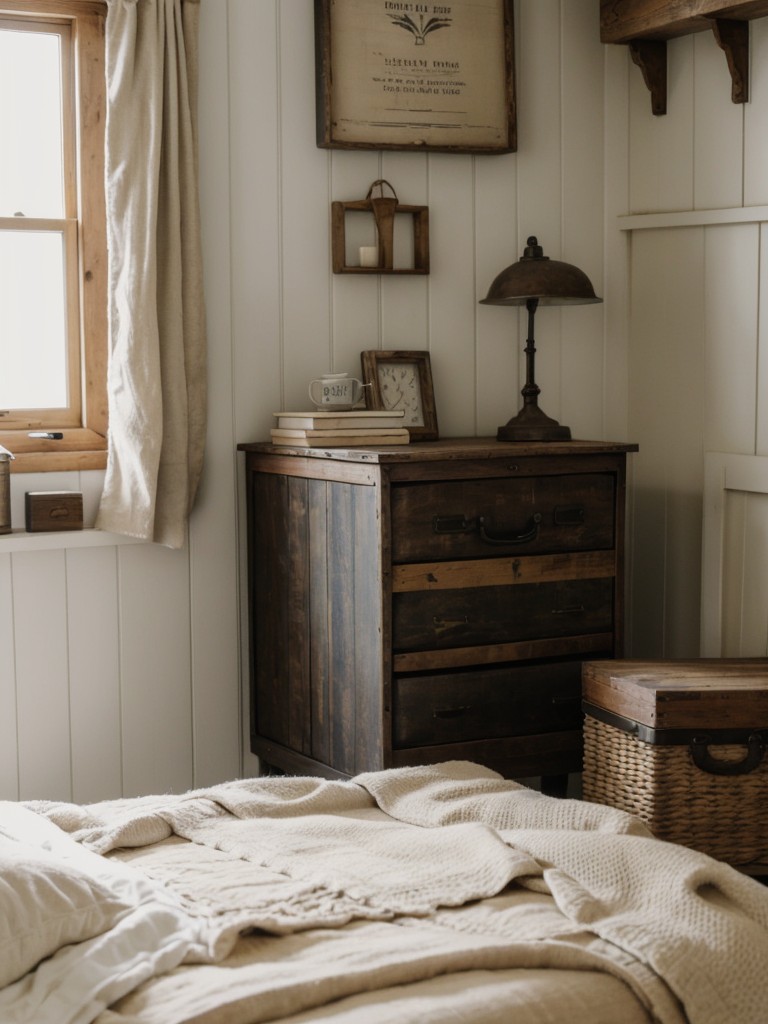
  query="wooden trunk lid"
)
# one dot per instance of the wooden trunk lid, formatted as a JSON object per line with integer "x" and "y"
{"x": 711, "y": 693}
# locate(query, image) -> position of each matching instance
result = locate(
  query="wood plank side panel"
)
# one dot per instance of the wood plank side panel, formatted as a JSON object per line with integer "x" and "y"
{"x": 318, "y": 668}
{"x": 342, "y": 599}
{"x": 371, "y": 744}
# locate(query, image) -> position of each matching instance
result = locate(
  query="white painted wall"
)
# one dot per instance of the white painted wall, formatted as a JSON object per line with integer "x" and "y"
{"x": 122, "y": 666}
{"x": 695, "y": 188}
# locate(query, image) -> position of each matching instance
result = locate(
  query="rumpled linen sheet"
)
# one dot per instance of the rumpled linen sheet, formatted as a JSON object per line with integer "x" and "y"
{"x": 310, "y": 891}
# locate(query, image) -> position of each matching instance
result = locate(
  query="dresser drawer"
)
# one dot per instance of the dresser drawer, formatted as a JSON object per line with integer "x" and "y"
{"x": 486, "y": 703}
{"x": 433, "y": 620}
{"x": 489, "y": 517}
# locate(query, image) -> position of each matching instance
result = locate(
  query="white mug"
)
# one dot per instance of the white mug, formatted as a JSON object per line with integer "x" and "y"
{"x": 336, "y": 391}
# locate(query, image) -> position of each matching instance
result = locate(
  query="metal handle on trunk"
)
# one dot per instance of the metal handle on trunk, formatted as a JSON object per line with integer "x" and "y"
{"x": 704, "y": 760}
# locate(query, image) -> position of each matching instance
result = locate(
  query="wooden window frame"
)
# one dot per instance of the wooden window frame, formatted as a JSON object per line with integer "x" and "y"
{"x": 84, "y": 442}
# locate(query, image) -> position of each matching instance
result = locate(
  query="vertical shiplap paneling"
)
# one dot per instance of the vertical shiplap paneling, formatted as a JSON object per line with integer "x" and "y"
{"x": 661, "y": 147}
{"x": 616, "y": 245}
{"x": 213, "y": 591}
{"x": 304, "y": 210}
{"x": 253, "y": 213}
{"x": 731, "y": 296}
{"x": 666, "y": 370}
{"x": 497, "y": 245}
{"x": 404, "y": 321}
{"x": 9, "y": 775}
{"x": 754, "y": 618}
{"x": 539, "y": 175}
{"x": 582, "y": 191}
{"x": 452, "y": 293}
{"x": 156, "y": 696}
{"x": 355, "y": 297}
{"x": 761, "y": 426}
{"x": 755, "y": 135}
{"x": 718, "y": 130}
{"x": 731, "y": 597}
{"x": 94, "y": 670}
{"x": 42, "y": 678}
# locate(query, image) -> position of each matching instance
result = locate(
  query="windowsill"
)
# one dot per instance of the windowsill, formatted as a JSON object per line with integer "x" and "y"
{"x": 20, "y": 540}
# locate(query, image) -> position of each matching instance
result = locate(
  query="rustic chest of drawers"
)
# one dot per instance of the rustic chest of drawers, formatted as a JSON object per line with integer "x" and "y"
{"x": 432, "y": 601}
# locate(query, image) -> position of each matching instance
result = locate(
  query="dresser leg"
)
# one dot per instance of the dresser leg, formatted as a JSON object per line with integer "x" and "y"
{"x": 555, "y": 785}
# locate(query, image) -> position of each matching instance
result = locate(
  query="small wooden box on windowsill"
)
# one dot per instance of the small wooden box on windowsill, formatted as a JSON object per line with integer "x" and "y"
{"x": 47, "y": 511}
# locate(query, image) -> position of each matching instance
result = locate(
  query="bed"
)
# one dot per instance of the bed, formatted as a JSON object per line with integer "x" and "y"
{"x": 432, "y": 894}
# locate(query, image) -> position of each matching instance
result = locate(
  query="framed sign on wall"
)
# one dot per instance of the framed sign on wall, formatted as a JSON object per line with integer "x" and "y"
{"x": 397, "y": 74}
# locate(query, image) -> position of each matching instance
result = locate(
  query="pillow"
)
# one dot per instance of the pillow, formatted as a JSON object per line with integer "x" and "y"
{"x": 46, "y": 902}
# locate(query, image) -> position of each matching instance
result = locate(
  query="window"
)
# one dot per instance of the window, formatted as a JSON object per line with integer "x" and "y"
{"x": 53, "y": 266}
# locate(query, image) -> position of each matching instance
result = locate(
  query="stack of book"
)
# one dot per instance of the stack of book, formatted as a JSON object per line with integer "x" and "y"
{"x": 354, "y": 429}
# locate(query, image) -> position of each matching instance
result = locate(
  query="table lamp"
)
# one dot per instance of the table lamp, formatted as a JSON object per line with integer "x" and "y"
{"x": 533, "y": 281}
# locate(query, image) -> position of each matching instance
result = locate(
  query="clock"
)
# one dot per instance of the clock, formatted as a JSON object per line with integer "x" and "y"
{"x": 402, "y": 380}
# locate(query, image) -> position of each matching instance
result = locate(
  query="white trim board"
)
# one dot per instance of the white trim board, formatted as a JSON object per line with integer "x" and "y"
{"x": 723, "y": 472}
{"x": 694, "y": 218}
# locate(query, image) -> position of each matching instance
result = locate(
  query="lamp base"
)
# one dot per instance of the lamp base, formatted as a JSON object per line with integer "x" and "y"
{"x": 531, "y": 424}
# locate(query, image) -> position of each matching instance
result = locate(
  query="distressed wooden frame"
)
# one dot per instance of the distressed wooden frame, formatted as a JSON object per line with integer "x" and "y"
{"x": 372, "y": 359}
{"x": 379, "y": 115}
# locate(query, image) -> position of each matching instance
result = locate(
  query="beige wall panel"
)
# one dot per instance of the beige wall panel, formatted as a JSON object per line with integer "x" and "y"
{"x": 718, "y": 129}
{"x": 761, "y": 431}
{"x": 539, "y": 175}
{"x": 42, "y": 678}
{"x": 755, "y": 135}
{"x": 616, "y": 247}
{"x": 355, "y": 299}
{"x": 754, "y": 618}
{"x": 213, "y": 593}
{"x": 582, "y": 161}
{"x": 249, "y": 202}
{"x": 666, "y": 384}
{"x": 498, "y": 338}
{"x": 304, "y": 212}
{"x": 9, "y": 774}
{"x": 731, "y": 597}
{"x": 452, "y": 293}
{"x": 94, "y": 673}
{"x": 156, "y": 710}
{"x": 661, "y": 147}
{"x": 404, "y": 319}
{"x": 730, "y": 323}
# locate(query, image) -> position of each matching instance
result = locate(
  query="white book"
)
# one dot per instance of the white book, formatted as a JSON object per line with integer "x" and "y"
{"x": 340, "y": 420}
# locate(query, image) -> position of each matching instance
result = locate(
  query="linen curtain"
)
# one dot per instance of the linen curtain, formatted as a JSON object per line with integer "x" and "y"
{"x": 157, "y": 364}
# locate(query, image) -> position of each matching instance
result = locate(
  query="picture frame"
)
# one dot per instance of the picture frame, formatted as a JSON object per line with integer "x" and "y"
{"x": 402, "y": 379}
{"x": 416, "y": 75}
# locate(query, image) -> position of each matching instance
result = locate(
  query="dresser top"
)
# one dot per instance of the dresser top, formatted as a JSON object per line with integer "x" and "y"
{"x": 447, "y": 449}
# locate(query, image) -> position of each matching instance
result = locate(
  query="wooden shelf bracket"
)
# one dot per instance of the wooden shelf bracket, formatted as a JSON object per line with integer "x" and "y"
{"x": 650, "y": 55}
{"x": 733, "y": 38}
{"x": 646, "y": 25}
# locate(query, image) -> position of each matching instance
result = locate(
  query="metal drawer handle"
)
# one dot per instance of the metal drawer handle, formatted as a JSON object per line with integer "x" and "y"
{"x": 574, "y": 609}
{"x": 447, "y": 623}
{"x": 456, "y": 712}
{"x": 704, "y": 760}
{"x": 531, "y": 532}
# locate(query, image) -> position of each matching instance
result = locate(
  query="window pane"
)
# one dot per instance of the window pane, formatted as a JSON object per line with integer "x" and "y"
{"x": 31, "y": 179}
{"x": 33, "y": 362}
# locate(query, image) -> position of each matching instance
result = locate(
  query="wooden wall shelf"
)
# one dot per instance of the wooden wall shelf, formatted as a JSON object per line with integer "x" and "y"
{"x": 646, "y": 25}
{"x": 383, "y": 210}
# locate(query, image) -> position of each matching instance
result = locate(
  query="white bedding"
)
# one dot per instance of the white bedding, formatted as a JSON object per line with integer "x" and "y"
{"x": 430, "y": 894}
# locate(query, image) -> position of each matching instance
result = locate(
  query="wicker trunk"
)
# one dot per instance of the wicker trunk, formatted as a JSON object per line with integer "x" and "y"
{"x": 683, "y": 745}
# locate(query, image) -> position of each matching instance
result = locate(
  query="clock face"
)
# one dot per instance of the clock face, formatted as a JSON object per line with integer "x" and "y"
{"x": 400, "y": 388}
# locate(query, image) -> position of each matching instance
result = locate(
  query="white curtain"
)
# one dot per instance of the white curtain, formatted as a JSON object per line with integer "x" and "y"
{"x": 157, "y": 373}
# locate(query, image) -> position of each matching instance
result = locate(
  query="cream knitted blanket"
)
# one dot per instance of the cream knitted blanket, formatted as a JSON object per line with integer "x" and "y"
{"x": 662, "y": 917}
